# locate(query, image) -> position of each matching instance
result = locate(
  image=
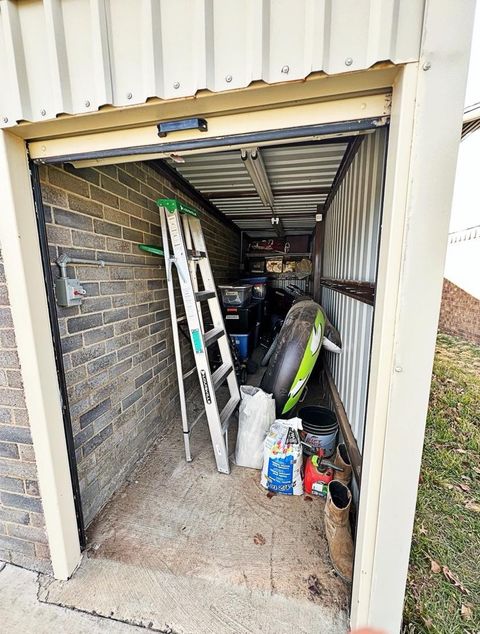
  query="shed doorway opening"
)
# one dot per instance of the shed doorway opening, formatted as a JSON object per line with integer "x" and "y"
{"x": 305, "y": 215}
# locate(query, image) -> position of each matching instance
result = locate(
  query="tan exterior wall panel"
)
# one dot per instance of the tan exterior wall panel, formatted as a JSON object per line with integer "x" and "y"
{"x": 75, "y": 57}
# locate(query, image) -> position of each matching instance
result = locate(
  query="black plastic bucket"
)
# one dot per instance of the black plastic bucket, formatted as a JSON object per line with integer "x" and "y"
{"x": 320, "y": 428}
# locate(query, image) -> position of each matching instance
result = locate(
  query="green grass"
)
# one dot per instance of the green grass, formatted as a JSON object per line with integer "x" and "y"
{"x": 447, "y": 523}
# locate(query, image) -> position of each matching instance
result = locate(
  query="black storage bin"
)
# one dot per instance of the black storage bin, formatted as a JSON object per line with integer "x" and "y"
{"x": 240, "y": 320}
{"x": 280, "y": 300}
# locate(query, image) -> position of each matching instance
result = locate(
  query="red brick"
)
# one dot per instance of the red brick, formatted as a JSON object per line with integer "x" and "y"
{"x": 459, "y": 313}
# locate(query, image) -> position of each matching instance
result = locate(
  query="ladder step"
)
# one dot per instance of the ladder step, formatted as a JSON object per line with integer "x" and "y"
{"x": 203, "y": 295}
{"x": 213, "y": 335}
{"x": 196, "y": 255}
{"x": 221, "y": 374}
{"x": 181, "y": 318}
{"x": 189, "y": 373}
{"x": 227, "y": 412}
{"x": 195, "y": 421}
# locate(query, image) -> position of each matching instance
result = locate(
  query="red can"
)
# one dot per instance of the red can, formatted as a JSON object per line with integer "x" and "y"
{"x": 318, "y": 475}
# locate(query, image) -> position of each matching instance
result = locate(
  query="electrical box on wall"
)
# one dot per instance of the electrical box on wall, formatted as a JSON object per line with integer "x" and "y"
{"x": 69, "y": 291}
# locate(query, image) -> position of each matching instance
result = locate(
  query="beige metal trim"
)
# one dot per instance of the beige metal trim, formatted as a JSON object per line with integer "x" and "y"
{"x": 317, "y": 87}
{"x": 424, "y": 137}
{"x": 129, "y": 158}
{"x": 26, "y": 287}
{"x": 347, "y": 109}
{"x": 396, "y": 185}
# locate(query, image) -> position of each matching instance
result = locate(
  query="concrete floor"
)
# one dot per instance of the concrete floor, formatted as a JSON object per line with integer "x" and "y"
{"x": 21, "y": 611}
{"x": 184, "y": 549}
{"x": 192, "y": 521}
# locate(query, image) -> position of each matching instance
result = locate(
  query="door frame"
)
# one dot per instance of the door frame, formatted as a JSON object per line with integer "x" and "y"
{"x": 33, "y": 336}
{"x": 57, "y": 347}
{"x": 24, "y": 271}
{"x": 195, "y": 145}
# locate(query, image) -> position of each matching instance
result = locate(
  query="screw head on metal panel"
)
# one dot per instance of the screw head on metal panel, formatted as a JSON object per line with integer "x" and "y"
{"x": 348, "y": 61}
{"x": 87, "y": 104}
{"x": 228, "y": 79}
{"x": 285, "y": 69}
{"x": 43, "y": 112}
{"x": 129, "y": 95}
{"x": 427, "y": 66}
{"x": 398, "y": 368}
{"x": 176, "y": 85}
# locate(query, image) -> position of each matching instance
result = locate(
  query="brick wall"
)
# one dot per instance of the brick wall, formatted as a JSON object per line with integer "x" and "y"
{"x": 22, "y": 535}
{"x": 118, "y": 350}
{"x": 459, "y": 313}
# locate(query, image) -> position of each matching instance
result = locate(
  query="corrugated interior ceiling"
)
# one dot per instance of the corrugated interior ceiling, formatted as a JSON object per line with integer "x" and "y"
{"x": 300, "y": 177}
{"x": 74, "y": 56}
{"x": 352, "y": 234}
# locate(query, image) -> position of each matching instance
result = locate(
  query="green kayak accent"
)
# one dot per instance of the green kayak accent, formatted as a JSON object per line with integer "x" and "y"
{"x": 309, "y": 359}
{"x": 151, "y": 248}
{"x": 172, "y": 205}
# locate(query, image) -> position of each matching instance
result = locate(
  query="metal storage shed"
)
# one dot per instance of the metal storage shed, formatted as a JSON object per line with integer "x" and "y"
{"x": 410, "y": 61}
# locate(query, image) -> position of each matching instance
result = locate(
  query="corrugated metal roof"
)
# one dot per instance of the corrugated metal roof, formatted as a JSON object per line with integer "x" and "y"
{"x": 299, "y": 175}
{"x": 465, "y": 235}
{"x": 471, "y": 120}
{"x": 74, "y": 56}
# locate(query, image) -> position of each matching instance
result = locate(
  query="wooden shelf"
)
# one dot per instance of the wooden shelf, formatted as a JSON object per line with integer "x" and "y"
{"x": 286, "y": 276}
{"x": 277, "y": 255}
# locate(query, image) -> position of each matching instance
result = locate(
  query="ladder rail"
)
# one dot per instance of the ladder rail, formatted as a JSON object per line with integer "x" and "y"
{"x": 192, "y": 312}
{"x": 213, "y": 303}
{"x": 176, "y": 338}
{"x": 217, "y": 317}
{"x": 192, "y": 264}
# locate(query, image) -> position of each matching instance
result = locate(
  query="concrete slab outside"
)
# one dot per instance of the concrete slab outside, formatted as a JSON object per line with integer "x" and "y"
{"x": 22, "y": 612}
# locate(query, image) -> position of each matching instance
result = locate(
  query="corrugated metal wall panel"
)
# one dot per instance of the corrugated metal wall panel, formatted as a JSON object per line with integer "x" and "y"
{"x": 350, "y": 369}
{"x": 353, "y": 220}
{"x": 73, "y": 56}
{"x": 351, "y": 250}
{"x": 283, "y": 282}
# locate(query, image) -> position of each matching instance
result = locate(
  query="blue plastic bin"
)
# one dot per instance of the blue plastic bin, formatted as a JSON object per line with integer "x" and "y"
{"x": 244, "y": 345}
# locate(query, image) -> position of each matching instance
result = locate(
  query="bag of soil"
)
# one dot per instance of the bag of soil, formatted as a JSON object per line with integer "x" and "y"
{"x": 282, "y": 458}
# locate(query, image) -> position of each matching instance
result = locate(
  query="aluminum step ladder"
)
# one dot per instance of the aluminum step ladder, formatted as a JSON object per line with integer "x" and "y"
{"x": 184, "y": 246}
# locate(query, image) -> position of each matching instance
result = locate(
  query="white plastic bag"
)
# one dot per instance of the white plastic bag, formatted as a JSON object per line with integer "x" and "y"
{"x": 256, "y": 414}
{"x": 283, "y": 459}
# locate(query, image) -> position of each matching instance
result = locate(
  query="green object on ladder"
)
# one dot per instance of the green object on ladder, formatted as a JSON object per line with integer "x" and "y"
{"x": 151, "y": 248}
{"x": 172, "y": 205}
